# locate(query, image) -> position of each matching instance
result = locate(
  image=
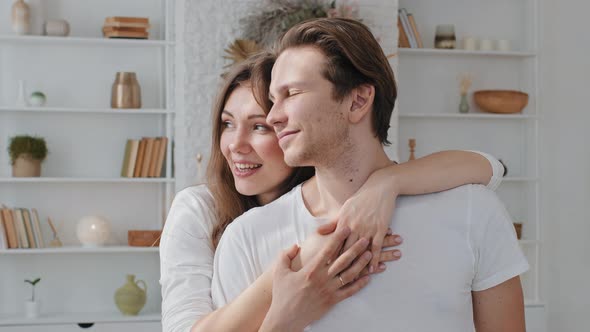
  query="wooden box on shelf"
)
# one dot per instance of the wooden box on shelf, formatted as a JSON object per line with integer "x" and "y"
{"x": 144, "y": 238}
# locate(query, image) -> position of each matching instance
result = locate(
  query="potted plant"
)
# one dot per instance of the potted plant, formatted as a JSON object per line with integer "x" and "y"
{"x": 26, "y": 155}
{"x": 32, "y": 306}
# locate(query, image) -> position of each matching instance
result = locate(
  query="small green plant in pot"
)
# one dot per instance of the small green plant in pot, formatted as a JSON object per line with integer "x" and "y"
{"x": 32, "y": 305}
{"x": 26, "y": 154}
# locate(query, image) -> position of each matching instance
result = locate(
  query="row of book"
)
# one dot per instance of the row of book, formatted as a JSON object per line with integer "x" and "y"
{"x": 20, "y": 228}
{"x": 144, "y": 157}
{"x": 409, "y": 37}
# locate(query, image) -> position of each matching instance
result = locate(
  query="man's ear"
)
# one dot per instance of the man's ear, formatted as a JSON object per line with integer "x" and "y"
{"x": 362, "y": 102}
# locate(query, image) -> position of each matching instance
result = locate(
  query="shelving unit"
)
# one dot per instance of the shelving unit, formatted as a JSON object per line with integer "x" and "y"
{"x": 86, "y": 141}
{"x": 429, "y": 101}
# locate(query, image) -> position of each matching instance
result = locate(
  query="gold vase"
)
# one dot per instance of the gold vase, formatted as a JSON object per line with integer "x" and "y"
{"x": 130, "y": 298}
{"x": 125, "y": 92}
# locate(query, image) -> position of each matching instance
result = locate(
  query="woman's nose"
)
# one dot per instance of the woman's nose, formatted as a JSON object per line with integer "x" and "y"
{"x": 240, "y": 142}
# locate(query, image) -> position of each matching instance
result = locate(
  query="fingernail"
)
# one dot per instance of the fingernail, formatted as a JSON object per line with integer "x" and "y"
{"x": 382, "y": 267}
{"x": 397, "y": 254}
{"x": 364, "y": 241}
{"x": 367, "y": 255}
{"x": 371, "y": 269}
{"x": 398, "y": 239}
{"x": 389, "y": 231}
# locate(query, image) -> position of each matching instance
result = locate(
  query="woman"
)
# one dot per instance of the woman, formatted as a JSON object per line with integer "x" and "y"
{"x": 246, "y": 170}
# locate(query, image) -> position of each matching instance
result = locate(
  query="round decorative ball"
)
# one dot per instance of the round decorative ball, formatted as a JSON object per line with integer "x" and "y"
{"x": 93, "y": 231}
{"x": 37, "y": 99}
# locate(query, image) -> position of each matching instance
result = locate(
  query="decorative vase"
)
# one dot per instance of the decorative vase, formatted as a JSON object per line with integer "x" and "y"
{"x": 21, "y": 100}
{"x": 125, "y": 91}
{"x": 37, "y": 99}
{"x": 93, "y": 231}
{"x": 130, "y": 298}
{"x": 25, "y": 166}
{"x": 21, "y": 18}
{"x": 31, "y": 309}
{"x": 463, "y": 105}
{"x": 58, "y": 28}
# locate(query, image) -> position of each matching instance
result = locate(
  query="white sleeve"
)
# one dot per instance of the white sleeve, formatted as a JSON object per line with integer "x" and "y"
{"x": 233, "y": 268}
{"x": 186, "y": 261}
{"x": 496, "y": 251}
{"x": 497, "y": 170}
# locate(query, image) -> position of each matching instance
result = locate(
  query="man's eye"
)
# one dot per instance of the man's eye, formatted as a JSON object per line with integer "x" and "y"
{"x": 293, "y": 92}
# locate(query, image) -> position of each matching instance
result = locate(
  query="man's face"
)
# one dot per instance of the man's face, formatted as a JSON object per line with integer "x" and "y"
{"x": 311, "y": 126}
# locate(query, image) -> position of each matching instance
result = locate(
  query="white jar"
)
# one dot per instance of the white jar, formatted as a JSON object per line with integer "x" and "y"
{"x": 59, "y": 28}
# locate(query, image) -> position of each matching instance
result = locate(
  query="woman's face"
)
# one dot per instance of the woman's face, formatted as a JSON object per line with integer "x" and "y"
{"x": 251, "y": 148}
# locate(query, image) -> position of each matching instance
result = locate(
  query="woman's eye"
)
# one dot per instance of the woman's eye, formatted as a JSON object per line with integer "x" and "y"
{"x": 226, "y": 124}
{"x": 260, "y": 127}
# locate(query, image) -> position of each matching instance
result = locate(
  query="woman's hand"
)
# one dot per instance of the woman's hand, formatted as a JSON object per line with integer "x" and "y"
{"x": 369, "y": 212}
{"x": 303, "y": 296}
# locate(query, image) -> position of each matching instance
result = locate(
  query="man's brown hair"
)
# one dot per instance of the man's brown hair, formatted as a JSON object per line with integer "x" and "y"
{"x": 354, "y": 58}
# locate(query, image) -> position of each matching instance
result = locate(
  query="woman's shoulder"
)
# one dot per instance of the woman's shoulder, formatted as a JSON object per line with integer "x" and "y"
{"x": 192, "y": 211}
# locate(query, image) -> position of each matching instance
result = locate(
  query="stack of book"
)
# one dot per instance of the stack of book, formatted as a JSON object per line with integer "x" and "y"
{"x": 409, "y": 37}
{"x": 144, "y": 157}
{"x": 126, "y": 27}
{"x": 20, "y": 228}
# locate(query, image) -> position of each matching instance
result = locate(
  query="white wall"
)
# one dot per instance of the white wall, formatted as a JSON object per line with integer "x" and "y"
{"x": 565, "y": 77}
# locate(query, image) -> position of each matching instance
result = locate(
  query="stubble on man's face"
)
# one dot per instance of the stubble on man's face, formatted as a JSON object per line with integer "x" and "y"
{"x": 324, "y": 129}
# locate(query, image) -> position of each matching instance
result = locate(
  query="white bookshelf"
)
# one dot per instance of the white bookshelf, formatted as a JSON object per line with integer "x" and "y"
{"x": 429, "y": 101}
{"x": 81, "y": 175}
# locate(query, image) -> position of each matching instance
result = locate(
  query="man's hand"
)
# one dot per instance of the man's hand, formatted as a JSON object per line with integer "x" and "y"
{"x": 500, "y": 308}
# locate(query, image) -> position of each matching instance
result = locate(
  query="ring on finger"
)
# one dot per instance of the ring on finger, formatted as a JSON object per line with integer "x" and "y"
{"x": 341, "y": 281}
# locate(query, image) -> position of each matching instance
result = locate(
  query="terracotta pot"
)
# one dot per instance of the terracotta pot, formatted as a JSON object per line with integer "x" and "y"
{"x": 25, "y": 166}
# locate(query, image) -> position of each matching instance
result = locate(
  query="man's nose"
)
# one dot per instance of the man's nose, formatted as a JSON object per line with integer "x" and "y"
{"x": 276, "y": 117}
{"x": 240, "y": 142}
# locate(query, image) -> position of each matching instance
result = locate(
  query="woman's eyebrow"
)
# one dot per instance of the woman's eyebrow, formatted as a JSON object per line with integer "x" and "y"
{"x": 228, "y": 113}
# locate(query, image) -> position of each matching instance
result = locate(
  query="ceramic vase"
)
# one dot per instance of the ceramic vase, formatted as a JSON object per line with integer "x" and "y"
{"x": 25, "y": 166}
{"x": 21, "y": 18}
{"x": 37, "y": 99}
{"x": 125, "y": 91}
{"x": 21, "y": 100}
{"x": 463, "y": 105}
{"x": 31, "y": 309}
{"x": 58, "y": 28}
{"x": 130, "y": 298}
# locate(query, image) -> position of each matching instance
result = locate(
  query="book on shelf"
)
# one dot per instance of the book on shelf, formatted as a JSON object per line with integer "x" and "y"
{"x": 29, "y": 228}
{"x": 21, "y": 231}
{"x": 161, "y": 157}
{"x": 126, "y": 27}
{"x": 410, "y": 29}
{"x": 140, "y": 154}
{"x": 10, "y": 227}
{"x": 147, "y": 157}
{"x": 3, "y": 234}
{"x": 37, "y": 229}
{"x": 154, "y": 159}
{"x": 126, "y": 157}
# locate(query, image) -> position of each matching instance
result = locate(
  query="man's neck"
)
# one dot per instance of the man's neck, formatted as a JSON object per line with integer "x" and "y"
{"x": 339, "y": 179}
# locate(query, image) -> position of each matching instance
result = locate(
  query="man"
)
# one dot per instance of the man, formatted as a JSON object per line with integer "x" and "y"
{"x": 333, "y": 93}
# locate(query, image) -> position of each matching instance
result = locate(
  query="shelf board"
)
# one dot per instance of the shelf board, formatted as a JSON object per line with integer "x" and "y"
{"x": 85, "y": 180}
{"x": 533, "y": 304}
{"x": 483, "y": 116}
{"x": 69, "y": 318}
{"x": 529, "y": 242}
{"x": 86, "y": 110}
{"x": 434, "y": 51}
{"x": 82, "y": 41}
{"x": 80, "y": 250}
{"x": 520, "y": 179}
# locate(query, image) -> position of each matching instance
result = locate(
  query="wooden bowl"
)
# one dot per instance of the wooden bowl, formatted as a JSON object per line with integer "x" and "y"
{"x": 501, "y": 101}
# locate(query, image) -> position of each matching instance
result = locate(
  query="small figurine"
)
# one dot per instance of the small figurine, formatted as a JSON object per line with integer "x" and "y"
{"x": 412, "y": 145}
{"x": 55, "y": 242}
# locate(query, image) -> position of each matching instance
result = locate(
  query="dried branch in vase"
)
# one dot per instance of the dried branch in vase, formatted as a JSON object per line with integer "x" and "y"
{"x": 240, "y": 50}
{"x": 465, "y": 84}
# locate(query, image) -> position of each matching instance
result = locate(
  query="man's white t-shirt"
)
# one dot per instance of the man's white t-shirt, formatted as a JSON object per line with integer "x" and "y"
{"x": 455, "y": 242}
